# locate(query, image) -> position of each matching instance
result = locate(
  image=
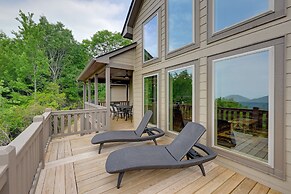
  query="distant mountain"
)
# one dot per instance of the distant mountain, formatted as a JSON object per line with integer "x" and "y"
{"x": 237, "y": 98}
{"x": 261, "y": 103}
{"x": 264, "y": 99}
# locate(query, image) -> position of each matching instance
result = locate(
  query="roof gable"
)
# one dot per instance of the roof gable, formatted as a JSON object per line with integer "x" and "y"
{"x": 130, "y": 18}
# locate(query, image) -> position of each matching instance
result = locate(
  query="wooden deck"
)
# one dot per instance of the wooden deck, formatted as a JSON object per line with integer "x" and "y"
{"x": 73, "y": 165}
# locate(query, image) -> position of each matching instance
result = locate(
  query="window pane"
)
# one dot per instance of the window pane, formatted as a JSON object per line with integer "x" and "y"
{"x": 242, "y": 104}
{"x": 230, "y": 12}
{"x": 151, "y": 97}
{"x": 180, "y": 98}
{"x": 180, "y": 21}
{"x": 151, "y": 39}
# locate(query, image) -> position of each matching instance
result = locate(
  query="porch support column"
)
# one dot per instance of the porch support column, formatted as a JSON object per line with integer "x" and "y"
{"x": 89, "y": 90}
{"x": 96, "y": 88}
{"x": 84, "y": 94}
{"x": 108, "y": 97}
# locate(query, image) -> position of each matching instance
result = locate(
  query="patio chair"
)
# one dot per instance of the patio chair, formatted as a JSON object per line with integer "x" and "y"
{"x": 163, "y": 156}
{"x": 130, "y": 135}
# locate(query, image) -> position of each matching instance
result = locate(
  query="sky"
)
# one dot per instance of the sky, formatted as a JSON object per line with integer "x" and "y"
{"x": 83, "y": 17}
{"x": 247, "y": 76}
{"x": 239, "y": 10}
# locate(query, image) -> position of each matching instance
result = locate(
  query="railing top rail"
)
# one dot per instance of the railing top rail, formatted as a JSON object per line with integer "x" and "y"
{"x": 241, "y": 109}
{"x": 95, "y": 105}
{"x": 78, "y": 111}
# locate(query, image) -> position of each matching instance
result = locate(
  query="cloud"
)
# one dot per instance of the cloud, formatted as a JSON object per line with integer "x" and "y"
{"x": 83, "y": 17}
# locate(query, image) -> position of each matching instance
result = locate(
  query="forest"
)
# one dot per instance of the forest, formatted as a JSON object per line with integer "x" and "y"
{"x": 39, "y": 67}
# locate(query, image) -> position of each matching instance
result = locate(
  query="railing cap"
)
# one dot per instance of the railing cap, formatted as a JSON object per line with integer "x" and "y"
{"x": 38, "y": 118}
{"x": 48, "y": 110}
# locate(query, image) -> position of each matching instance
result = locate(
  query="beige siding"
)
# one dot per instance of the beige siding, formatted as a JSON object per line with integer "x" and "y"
{"x": 265, "y": 32}
{"x": 126, "y": 58}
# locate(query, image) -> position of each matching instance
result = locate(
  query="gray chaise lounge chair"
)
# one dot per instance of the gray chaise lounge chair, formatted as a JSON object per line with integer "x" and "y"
{"x": 163, "y": 156}
{"x": 130, "y": 136}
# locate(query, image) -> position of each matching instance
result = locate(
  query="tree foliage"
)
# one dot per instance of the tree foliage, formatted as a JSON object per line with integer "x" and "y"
{"x": 39, "y": 67}
{"x": 228, "y": 103}
{"x": 104, "y": 41}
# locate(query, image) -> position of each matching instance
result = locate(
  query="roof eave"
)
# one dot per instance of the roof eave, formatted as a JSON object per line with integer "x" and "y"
{"x": 130, "y": 19}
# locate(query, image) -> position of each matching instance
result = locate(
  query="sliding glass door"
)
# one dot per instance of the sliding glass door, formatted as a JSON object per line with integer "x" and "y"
{"x": 180, "y": 98}
{"x": 150, "y": 96}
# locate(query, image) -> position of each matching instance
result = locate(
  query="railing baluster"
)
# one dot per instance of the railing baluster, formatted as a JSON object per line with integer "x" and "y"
{"x": 82, "y": 115}
{"x": 69, "y": 123}
{"x": 87, "y": 121}
{"x": 62, "y": 124}
{"x": 75, "y": 122}
{"x": 55, "y": 124}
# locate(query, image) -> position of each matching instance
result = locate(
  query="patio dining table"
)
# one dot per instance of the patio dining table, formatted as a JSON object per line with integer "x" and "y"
{"x": 126, "y": 109}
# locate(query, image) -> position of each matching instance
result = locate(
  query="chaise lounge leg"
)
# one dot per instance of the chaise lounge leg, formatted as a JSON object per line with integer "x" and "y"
{"x": 155, "y": 141}
{"x": 202, "y": 169}
{"x": 120, "y": 176}
{"x": 100, "y": 147}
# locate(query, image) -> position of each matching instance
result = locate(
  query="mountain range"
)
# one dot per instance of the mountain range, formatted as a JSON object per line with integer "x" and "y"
{"x": 261, "y": 102}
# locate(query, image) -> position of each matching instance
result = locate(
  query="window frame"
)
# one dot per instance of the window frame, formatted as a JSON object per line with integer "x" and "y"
{"x": 158, "y": 58}
{"x": 196, "y": 31}
{"x": 158, "y": 95}
{"x": 195, "y": 91}
{"x": 279, "y": 10}
{"x": 276, "y": 166}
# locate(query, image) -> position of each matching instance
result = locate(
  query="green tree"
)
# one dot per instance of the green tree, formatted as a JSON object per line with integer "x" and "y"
{"x": 104, "y": 41}
{"x": 56, "y": 42}
{"x": 228, "y": 103}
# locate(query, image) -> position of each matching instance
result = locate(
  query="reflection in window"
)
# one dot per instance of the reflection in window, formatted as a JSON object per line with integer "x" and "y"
{"x": 229, "y": 12}
{"x": 180, "y": 23}
{"x": 151, "y": 97}
{"x": 180, "y": 98}
{"x": 150, "y": 39}
{"x": 242, "y": 103}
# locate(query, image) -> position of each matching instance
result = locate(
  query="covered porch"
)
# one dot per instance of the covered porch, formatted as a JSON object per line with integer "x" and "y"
{"x": 115, "y": 70}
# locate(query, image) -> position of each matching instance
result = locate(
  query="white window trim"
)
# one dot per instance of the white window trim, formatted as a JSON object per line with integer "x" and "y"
{"x": 271, "y": 8}
{"x": 168, "y": 95}
{"x": 156, "y": 14}
{"x": 271, "y": 147}
{"x": 158, "y": 97}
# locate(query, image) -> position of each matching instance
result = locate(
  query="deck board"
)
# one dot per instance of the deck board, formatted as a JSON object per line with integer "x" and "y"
{"x": 73, "y": 165}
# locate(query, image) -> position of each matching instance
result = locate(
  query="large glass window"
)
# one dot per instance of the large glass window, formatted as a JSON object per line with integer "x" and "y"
{"x": 229, "y": 12}
{"x": 180, "y": 23}
{"x": 230, "y": 17}
{"x": 151, "y": 97}
{"x": 243, "y": 104}
{"x": 180, "y": 97}
{"x": 150, "y": 39}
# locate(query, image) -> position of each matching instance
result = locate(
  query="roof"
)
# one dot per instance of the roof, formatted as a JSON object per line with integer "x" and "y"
{"x": 98, "y": 63}
{"x": 130, "y": 18}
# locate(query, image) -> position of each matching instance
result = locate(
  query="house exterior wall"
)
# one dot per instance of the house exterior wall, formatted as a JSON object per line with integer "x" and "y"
{"x": 278, "y": 28}
{"x": 126, "y": 58}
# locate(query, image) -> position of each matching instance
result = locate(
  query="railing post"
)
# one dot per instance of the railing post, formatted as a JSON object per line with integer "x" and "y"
{"x": 40, "y": 118}
{"x": 96, "y": 88}
{"x": 8, "y": 157}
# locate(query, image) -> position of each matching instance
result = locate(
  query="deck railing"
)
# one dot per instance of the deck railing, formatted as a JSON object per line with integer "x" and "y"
{"x": 22, "y": 160}
{"x": 69, "y": 122}
{"x": 261, "y": 116}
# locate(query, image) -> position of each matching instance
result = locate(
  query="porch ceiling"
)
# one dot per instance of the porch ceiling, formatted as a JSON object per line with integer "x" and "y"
{"x": 118, "y": 71}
